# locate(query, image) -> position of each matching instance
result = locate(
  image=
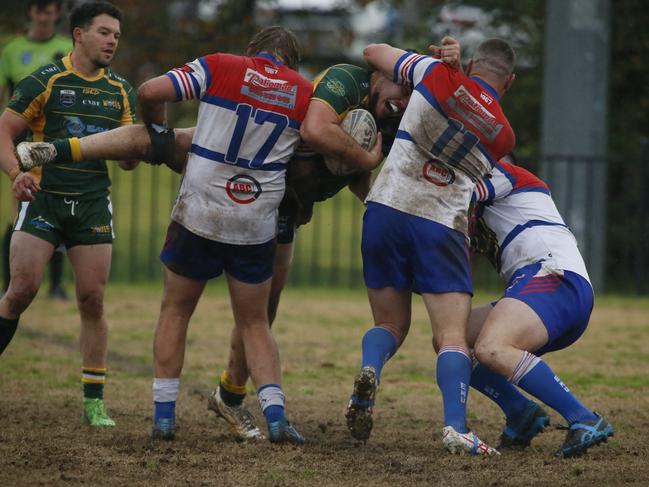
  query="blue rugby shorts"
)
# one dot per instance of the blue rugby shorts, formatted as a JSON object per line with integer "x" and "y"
{"x": 564, "y": 303}
{"x": 405, "y": 251}
{"x": 199, "y": 258}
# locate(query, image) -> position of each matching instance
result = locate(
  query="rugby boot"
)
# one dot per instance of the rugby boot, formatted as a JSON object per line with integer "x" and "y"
{"x": 94, "y": 413}
{"x": 281, "y": 431}
{"x": 520, "y": 431}
{"x": 239, "y": 418}
{"x": 456, "y": 443}
{"x": 361, "y": 404}
{"x": 34, "y": 154}
{"x": 584, "y": 434}
{"x": 164, "y": 429}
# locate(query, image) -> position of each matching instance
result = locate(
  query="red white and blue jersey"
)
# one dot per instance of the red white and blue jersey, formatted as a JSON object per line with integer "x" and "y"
{"x": 519, "y": 219}
{"x": 452, "y": 132}
{"x": 248, "y": 128}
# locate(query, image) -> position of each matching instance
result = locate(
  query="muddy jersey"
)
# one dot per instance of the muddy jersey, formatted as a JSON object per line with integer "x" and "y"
{"x": 518, "y": 224}
{"x": 248, "y": 128}
{"x": 452, "y": 132}
{"x": 58, "y": 102}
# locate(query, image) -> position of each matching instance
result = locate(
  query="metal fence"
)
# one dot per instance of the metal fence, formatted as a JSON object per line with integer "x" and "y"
{"x": 327, "y": 250}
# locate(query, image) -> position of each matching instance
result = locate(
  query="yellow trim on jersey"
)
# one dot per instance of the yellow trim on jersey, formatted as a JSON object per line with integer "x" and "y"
{"x": 67, "y": 62}
{"x": 126, "y": 119}
{"x": 74, "y": 169}
{"x": 61, "y": 193}
{"x": 75, "y": 148}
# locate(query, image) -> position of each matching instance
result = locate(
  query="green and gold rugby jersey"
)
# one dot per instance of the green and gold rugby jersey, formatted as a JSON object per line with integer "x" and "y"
{"x": 59, "y": 102}
{"x": 22, "y": 56}
{"x": 343, "y": 87}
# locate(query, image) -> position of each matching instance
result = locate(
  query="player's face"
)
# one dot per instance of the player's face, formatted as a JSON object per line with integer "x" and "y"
{"x": 99, "y": 41}
{"x": 44, "y": 18}
{"x": 387, "y": 99}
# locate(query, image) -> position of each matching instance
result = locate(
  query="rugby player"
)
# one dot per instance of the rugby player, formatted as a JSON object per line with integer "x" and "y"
{"x": 546, "y": 307}
{"x": 416, "y": 223}
{"x": 20, "y": 57}
{"x": 77, "y": 95}
{"x": 258, "y": 103}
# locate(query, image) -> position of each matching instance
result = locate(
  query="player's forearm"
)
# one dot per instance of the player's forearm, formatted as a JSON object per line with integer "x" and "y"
{"x": 330, "y": 140}
{"x": 8, "y": 161}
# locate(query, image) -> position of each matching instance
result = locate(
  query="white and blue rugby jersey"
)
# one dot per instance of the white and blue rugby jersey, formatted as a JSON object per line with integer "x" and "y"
{"x": 248, "y": 127}
{"x": 517, "y": 208}
{"x": 451, "y": 133}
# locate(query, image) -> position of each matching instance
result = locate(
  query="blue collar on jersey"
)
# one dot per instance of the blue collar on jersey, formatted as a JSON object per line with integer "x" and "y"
{"x": 270, "y": 57}
{"x": 486, "y": 86}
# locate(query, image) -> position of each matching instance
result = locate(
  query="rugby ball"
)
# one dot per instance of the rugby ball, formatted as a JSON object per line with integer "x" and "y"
{"x": 361, "y": 126}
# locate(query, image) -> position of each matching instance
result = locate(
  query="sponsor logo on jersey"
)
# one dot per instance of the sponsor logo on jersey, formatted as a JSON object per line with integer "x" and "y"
{"x": 187, "y": 68}
{"x": 466, "y": 105}
{"x": 276, "y": 92}
{"x": 90, "y": 91}
{"x": 437, "y": 174}
{"x": 114, "y": 104}
{"x": 243, "y": 189}
{"x": 93, "y": 103}
{"x": 76, "y": 127}
{"x": 51, "y": 69}
{"x": 68, "y": 98}
{"x": 486, "y": 98}
{"x": 336, "y": 87}
{"x": 271, "y": 69}
{"x": 41, "y": 223}
{"x": 100, "y": 229}
{"x": 16, "y": 95}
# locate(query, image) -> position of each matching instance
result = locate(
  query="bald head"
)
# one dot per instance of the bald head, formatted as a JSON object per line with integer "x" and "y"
{"x": 495, "y": 56}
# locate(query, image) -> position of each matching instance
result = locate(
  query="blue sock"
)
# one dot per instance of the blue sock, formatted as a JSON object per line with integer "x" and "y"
{"x": 271, "y": 400}
{"x": 164, "y": 410}
{"x": 453, "y": 378}
{"x": 499, "y": 390}
{"x": 541, "y": 382}
{"x": 379, "y": 345}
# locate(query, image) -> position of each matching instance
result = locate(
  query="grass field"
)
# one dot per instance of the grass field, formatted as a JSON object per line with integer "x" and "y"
{"x": 42, "y": 441}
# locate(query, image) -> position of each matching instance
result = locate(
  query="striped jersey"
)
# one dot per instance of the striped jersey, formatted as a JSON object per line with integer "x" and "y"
{"x": 518, "y": 224}
{"x": 58, "y": 102}
{"x": 248, "y": 128}
{"x": 452, "y": 132}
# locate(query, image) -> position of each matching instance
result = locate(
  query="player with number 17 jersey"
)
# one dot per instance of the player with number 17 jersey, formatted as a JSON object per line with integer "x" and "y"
{"x": 451, "y": 134}
{"x": 248, "y": 125}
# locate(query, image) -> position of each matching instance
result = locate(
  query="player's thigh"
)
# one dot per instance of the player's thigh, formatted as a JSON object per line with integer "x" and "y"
{"x": 282, "y": 265}
{"x": 91, "y": 266}
{"x": 249, "y": 301}
{"x": 181, "y": 293}
{"x": 477, "y": 319}
{"x": 512, "y": 323}
{"x": 28, "y": 256}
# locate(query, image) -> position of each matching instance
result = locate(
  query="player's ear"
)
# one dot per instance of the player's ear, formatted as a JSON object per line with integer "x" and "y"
{"x": 509, "y": 82}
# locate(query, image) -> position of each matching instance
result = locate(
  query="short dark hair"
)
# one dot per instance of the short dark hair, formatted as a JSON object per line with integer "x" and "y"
{"x": 495, "y": 55}
{"x": 41, "y": 4}
{"x": 276, "y": 40}
{"x": 83, "y": 15}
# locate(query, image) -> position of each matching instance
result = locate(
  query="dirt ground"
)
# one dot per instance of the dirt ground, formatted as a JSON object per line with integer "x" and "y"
{"x": 42, "y": 440}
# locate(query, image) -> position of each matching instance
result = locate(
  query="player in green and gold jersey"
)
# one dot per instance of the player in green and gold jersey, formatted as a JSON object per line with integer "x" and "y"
{"x": 70, "y": 204}
{"x": 20, "y": 57}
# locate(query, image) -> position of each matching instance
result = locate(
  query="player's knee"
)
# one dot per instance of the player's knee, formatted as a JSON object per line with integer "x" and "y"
{"x": 20, "y": 295}
{"x": 488, "y": 352}
{"x": 91, "y": 303}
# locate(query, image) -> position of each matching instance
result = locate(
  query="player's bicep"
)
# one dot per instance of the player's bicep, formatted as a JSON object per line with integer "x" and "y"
{"x": 318, "y": 117}
{"x": 157, "y": 90}
{"x": 383, "y": 57}
{"x": 12, "y": 124}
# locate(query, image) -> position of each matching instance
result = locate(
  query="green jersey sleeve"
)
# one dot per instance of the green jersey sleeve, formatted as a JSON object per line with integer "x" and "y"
{"x": 343, "y": 87}
{"x": 28, "y": 98}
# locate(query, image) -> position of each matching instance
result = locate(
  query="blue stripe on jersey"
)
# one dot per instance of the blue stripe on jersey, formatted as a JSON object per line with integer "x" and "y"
{"x": 531, "y": 189}
{"x": 490, "y": 189}
{"x": 197, "y": 88}
{"x": 219, "y": 101}
{"x": 397, "y": 66}
{"x": 179, "y": 95}
{"x": 510, "y": 177}
{"x": 411, "y": 70}
{"x": 403, "y": 135}
{"x": 485, "y": 153}
{"x": 517, "y": 231}
{"x": 208, "y": 75}
{"x": 244, "y": 163}
{"x": 429, "y": 97}
{"x": 486, "y": 86}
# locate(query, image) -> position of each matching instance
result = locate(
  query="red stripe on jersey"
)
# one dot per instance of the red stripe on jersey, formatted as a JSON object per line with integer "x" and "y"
{"x": 522, "y": 177}
{"x": 406, "y": 66}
